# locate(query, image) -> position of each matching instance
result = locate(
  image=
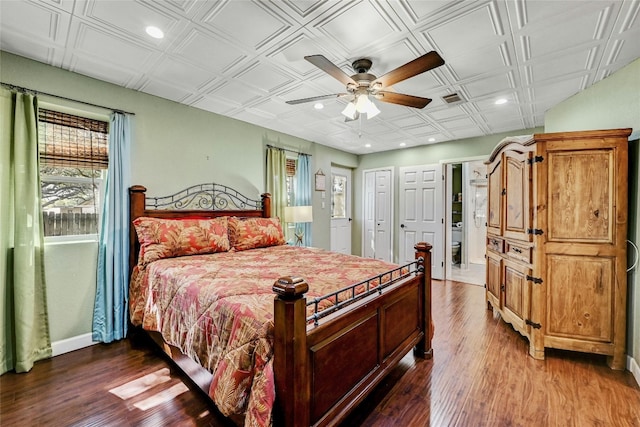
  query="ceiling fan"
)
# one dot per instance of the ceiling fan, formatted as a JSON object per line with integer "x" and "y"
{"x": 362, "y": 84}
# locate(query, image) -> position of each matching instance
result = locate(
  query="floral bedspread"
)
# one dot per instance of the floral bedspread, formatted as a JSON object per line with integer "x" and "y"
{"x": 218, "y": 309}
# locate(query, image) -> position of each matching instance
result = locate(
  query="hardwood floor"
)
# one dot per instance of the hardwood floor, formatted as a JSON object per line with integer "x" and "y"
{"x": 481, "y": 375}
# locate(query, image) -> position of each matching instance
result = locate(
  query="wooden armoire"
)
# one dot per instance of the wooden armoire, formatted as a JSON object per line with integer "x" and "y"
{"x": 556, "y": 240}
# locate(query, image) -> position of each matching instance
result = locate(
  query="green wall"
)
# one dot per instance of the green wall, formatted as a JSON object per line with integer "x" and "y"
{"x": 174, "y": 146}
{"x": 613, "y": 103}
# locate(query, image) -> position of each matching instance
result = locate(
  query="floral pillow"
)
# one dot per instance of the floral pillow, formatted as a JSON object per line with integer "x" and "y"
{"x": 250, "y": 233}
{"x": 167, "y": 238}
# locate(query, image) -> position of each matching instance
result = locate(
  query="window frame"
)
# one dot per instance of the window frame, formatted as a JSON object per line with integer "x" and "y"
{"x": 101, "y": 181}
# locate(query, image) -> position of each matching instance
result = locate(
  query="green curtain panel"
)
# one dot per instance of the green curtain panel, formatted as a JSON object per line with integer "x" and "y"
{"x": 23, "y": 306}
{"x": 277, "y": 181}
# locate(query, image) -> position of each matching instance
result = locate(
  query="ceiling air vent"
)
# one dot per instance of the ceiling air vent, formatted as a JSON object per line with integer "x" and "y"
{"x": 453, "y": 98}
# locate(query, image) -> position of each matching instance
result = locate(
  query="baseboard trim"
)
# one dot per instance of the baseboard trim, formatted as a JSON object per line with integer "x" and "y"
{"x": 634, "y": 368}
{"x": 72, "y": 344}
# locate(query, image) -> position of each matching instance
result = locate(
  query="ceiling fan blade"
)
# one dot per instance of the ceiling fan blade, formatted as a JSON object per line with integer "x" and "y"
{"x": 317, "y": 98}
{"x": 419, "y": 65}
{"x": 402, "y": 99}
{"x": 330, "y": 68}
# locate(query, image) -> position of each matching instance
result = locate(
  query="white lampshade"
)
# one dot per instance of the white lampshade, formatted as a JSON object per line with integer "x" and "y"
{"x": 371, "y": 110}
{"x": 298, "y": 214}
{"x": 362, "y": 103}
{"x": 350, "y": 111}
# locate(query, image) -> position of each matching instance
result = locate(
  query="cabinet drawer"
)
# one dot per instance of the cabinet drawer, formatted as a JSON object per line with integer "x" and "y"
{"x": 495, "y": 244}
{"x": 519, "y": 252}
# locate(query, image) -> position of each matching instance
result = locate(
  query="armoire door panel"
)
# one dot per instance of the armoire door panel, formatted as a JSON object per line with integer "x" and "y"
{"x": 494, "y": 216}
{"x": 494, "y": 278}
{"x": 516, "y": 293}
{"x": 581, "y": 188}
{"x": 517, "y": 220}
{"x": 580, "y": 294}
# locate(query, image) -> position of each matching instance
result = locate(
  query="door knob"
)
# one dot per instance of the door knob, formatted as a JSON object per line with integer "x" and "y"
{"x": 401, "y": 225}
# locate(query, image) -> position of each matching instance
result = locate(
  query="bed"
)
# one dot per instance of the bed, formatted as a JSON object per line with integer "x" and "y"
{"x": 272, "y": 333}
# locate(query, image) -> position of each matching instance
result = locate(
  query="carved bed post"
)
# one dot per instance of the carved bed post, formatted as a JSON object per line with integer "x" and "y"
{"x": 290, "y": 353}
{"x": 266, "y": 205}
{"x": 423, "y": 255}
{"x": 137, "y": 195}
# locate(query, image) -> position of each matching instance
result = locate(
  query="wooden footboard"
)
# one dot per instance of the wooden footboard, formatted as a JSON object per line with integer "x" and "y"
{"x": 322, "y": 372}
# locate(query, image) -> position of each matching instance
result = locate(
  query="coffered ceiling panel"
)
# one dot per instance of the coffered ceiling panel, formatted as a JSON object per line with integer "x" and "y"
{"x": 37, "y": 20}
{"x": 245, "y": 58}
{"x": 358, "y": 25}
{"x": 249, "y": 23}
{"x": 209, "y": 51}
{"x": 128, "y": 18}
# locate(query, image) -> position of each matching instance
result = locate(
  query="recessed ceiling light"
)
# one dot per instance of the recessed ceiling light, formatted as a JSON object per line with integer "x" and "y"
{"x": 432, "y": 140}
{"x": 367, "y": 145}
{"x": 154, "y": 32}
{"x": 402, "y": 144}
{"x": 501, "y": 101}
{"x": 318, "y": 106}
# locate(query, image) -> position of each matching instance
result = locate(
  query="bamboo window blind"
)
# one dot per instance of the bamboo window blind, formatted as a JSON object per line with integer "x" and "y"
{"x": 66, "y": 141}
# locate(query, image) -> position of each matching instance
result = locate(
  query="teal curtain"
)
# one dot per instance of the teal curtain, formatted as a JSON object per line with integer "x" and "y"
{"x": 110, "y": 311}
{"x": 277, "y": 181}
{"x": 23, "y": 306}
{"x": 304, "y": 193}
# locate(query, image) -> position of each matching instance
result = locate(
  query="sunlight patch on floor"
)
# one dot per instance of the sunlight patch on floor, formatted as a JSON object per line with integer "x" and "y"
{"x": 142, "y": 384}
{"x": 162, "y": 397}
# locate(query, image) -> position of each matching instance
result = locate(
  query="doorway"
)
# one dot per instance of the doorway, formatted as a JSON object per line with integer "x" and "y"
{"x": 341, "y": 210}
{"x": 421, "y": 213}
{"x": 466, "y": 210}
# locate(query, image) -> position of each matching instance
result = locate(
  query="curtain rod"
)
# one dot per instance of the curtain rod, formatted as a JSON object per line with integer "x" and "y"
{"x": 286, "y": 149}
{"x": 37, "y": 92}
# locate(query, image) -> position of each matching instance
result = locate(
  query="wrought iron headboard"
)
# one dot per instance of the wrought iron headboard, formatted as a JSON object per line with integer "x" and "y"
{"x": 204, "y": 197}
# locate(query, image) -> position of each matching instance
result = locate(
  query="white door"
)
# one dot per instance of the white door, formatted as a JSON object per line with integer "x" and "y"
{"x": 341, "y": 210}
{"x": 421, "y": 214}
{"x": 377, "y": 236}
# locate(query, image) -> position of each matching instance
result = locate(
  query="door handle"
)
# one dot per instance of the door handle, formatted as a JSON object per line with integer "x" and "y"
{"x": 401, "y": 225}
{"x": 350, "y": 219}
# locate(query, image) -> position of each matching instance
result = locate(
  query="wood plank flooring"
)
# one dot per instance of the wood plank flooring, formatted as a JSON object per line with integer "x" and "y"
{"x": 481, "y": 375}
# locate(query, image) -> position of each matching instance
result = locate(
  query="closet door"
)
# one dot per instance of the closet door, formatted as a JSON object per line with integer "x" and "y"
{"x": 377, "y": 233}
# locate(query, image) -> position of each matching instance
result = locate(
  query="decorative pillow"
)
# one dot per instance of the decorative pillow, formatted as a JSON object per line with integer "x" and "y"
{"x": 250, "y": 233}
{"x": 167, "y": 238}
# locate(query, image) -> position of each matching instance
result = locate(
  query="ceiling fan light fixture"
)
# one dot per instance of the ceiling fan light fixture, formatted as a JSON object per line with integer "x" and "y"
{"x": 350, "y": 111}
{"x": 372, "y": 110}
{"x": 362, "y": 104}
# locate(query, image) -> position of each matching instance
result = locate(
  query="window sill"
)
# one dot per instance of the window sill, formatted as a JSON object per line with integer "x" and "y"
{"x": 66, "y": 240}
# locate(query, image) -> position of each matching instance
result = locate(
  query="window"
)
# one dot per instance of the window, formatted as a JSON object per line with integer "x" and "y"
{"x": 291, "y": 166}
{"x": 73, "y": 165}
